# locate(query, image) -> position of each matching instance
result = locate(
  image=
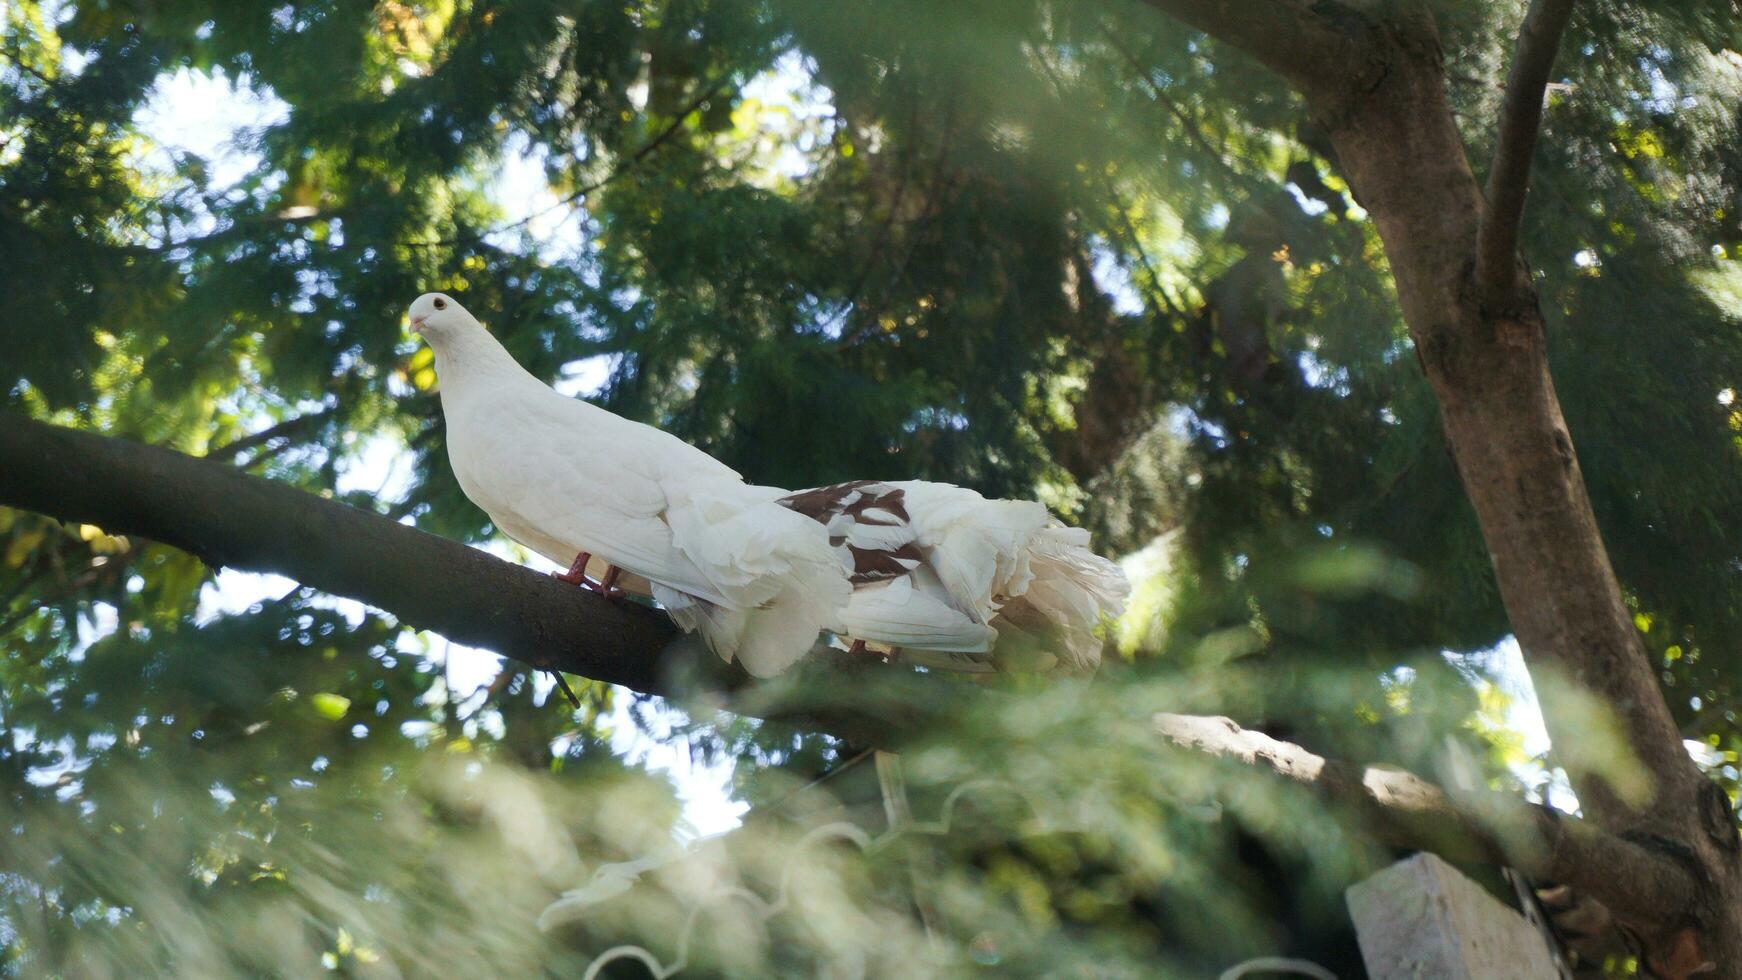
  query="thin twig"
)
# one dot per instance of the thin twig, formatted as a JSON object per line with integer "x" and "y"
{"x": 92, "y": 574}
{"x": 236, "y": 228}
{"x": 1193, "y": 128}
{"x": 503, "y": 678}
{"x": 1130, "y": 230}
{"x": 1520, "y": 121}
{"x": 285, "y": 429}
{"x": 934, "y": 200}
{"x": 623, "y": 168}
{"x": 885, "y": 233}
{"x": 31, "y": 70}
{"x": 266, "y": 455}
{"x": 1156, "y": 289}
{"x": 562, "y": 684}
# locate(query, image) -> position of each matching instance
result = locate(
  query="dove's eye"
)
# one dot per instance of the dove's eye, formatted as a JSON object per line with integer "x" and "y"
{"x": 441, "y": 304}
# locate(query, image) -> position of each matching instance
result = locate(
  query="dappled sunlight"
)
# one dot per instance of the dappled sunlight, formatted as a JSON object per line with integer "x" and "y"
{"x": 1085, "y": 255}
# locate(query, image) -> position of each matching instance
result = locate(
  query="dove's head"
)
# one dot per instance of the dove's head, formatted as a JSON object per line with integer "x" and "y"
{"x": 439, "y": 317}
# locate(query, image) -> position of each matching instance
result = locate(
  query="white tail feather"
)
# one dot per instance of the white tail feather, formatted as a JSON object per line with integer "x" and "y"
{"x": 1075, "y": 590}
{"x": 776, "y": 637}
{"x": 721, "y": 628}
{"x": 896, "y": 613}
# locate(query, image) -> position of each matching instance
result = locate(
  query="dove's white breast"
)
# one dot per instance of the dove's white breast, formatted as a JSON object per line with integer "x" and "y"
{"x": 561, "y": 476}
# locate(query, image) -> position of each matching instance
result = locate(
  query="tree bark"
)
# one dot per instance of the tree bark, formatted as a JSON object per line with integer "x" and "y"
{"x": 1539, "y": 40}
{"x": 1489, "y": 369}
{"x": 1403, "y": 809}
{"x": 1387, "y": 115}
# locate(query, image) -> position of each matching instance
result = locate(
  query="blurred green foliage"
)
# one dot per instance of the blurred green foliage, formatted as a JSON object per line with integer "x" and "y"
{"x": 1072, "y": 251}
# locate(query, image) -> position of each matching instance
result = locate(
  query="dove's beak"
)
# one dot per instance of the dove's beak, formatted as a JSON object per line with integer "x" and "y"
{"x": 417, "y": 324}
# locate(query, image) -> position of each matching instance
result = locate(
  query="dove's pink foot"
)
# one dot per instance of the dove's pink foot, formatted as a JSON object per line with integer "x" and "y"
{"x": 608, "y": 584}
{"x": 577, "y": 575}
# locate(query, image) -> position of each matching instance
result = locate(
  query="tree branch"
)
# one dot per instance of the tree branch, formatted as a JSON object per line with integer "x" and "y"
{"x": 99, "y": 567}
{"x": 1317, "y": 44}
{"x": 1641, "y": 886}
{"x": 1497, "y": 269}
{"x": 227, "y": 518}
{"x": 289, "y": 427}
{"x": 622, "y": 169}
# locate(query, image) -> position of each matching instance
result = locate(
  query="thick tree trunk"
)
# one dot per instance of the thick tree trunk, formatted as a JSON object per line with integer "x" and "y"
{"x": 1372, "y": 75}
{"x": 1488, "y": 364}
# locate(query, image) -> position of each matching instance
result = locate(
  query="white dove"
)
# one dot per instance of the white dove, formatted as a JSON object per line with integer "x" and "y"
{"x": 936, "y": 571}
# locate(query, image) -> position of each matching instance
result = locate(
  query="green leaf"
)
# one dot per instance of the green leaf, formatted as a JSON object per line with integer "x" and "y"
{"x": 330, "y": 706}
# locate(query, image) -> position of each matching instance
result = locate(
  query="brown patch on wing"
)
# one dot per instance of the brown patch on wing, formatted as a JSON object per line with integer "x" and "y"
{"x": 871, "y": 565}
{"x": 852, "y": 499}
{"x": 867, "y": 502}
{"x": 892, "y": 500}
{"x": 835, "y": 499}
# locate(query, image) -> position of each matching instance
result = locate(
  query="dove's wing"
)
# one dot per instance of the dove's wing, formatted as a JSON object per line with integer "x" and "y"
{"x": 940, "y": 568}
{"x": 775, "y": 568}
{"x": 567, "y": 478}
{"x": 554, "y": 480}
{"x": 898, "y": 598}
